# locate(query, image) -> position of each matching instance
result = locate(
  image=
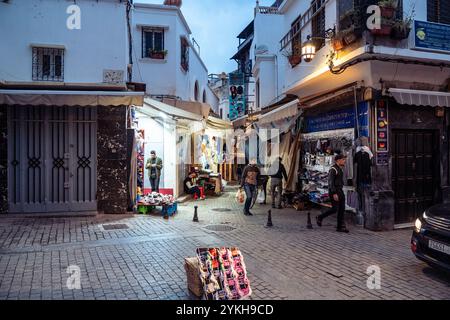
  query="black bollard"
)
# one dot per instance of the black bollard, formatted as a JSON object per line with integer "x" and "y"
{"x": 195, "y": 214}
{"x": 269, "y": 219}
{"x": 309, "y": 224}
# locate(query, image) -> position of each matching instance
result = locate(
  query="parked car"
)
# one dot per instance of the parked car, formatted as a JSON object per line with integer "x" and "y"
{"x": 430, "y": 240}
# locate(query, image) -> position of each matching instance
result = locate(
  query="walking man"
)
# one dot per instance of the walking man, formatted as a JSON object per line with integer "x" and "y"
{"x": 276, "y": 181}
{"x": 249, "y": 182}
{"x": 335, "y": 190}
{"x": 154, "y": 166}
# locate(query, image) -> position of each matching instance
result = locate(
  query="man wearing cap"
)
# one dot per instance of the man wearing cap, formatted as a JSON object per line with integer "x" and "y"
{"x": 154, "y": 165}
{"x": 335, "y": 190}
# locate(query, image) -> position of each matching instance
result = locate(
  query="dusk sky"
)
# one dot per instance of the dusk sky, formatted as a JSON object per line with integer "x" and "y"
{"x": 215, "y": 25}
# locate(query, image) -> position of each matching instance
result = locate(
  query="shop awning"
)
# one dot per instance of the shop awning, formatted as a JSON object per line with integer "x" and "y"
{"x": 198, "y": 108}
{"x": 420, "y": 97}
{"x": 70, "y": 98}
{"x": 171, "y": 110}
{"x": 288, "y": 110}
{"x": 218, "y": 124}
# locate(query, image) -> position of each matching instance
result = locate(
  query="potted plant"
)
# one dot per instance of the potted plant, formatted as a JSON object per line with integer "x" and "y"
{"x": 294, "y": 56}
{"x": 388, "y": 8}
{"x": 385, "y": 28}
{"x": 157, "y": 54}
{"x": 402, "y": 28}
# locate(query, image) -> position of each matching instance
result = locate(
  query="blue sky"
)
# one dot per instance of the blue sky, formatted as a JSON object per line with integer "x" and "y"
{"x": 215, "y": 25}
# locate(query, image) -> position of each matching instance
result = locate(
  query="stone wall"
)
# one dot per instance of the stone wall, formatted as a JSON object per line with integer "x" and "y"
{"x": 3, "y": 160}
{"x": 112, "y": 179}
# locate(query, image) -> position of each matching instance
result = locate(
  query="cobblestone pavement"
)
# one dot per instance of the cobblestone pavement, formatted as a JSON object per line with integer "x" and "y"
{"x": 145, "y": 260}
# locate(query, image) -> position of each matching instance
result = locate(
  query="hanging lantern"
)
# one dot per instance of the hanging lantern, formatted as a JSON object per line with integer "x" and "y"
{"x": 308, "y": 50}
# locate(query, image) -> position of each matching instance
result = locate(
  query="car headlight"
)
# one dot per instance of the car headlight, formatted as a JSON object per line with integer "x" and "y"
{"x": 418, "y": 225}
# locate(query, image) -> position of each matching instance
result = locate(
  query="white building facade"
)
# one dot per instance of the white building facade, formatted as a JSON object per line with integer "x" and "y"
{"x": 63, "y": 106}
{"x": 388, "y": 82}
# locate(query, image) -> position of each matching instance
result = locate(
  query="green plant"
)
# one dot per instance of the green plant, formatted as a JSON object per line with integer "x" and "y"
{"x": 388, "y": 3}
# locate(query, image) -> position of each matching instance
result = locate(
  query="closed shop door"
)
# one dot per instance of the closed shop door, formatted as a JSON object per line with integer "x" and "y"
{"x": 415, "y": 158}
{"x": 52, "y": 159}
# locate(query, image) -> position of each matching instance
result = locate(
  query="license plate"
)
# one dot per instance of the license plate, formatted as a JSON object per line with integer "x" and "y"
{"x": 439, "y": 246}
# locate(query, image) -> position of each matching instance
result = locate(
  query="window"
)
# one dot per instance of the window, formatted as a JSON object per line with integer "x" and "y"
{"x": 346, "y": 15}
{"x": 318, "y": 26}
{"x": 221, "y": 113}
{"x": 196, "y": 91}
{"x": 438, "y": 11}
{"x": 296, "y": 44}
{"x": 185, "y": 54}
{"x": 153, "y": 43}
{"x": 48, "y": 64}
{"x": 204, "y": 96}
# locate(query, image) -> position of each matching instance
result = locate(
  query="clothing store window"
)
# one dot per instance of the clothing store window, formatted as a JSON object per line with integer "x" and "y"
{"x": 438, "y": 11}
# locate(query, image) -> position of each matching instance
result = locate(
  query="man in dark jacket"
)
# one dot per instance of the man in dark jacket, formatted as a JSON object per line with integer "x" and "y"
{"x": 335, "y": 190}
{"x": 154, "y": 166}
{"x": 276, "y": 181}
{"x": 249, "y": 182}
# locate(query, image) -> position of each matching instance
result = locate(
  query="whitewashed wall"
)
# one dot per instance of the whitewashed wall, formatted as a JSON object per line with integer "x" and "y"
{"x": 100, "y": 44}
{"x": 166, "y": 77}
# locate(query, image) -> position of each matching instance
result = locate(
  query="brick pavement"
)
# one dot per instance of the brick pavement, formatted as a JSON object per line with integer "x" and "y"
{"x": 145, "y": 261}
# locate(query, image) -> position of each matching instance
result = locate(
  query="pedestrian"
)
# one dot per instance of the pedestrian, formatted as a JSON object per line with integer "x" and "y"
{"x": 191, "y": 187}
{"x": 336, "y": 193}
{"x": 154, "y": 166}
{"x": 249, "y": 182}
{"x": 276, "y": 181}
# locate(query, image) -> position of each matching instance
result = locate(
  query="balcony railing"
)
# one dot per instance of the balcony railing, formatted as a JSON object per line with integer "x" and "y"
{"x": 312, "y": 11}
{"x": 268, "y": 10}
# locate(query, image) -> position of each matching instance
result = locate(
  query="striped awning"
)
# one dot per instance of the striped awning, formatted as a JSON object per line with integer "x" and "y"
{"x": 421, "y": 97}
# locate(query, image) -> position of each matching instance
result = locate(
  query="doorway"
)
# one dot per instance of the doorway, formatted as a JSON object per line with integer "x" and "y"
{"x": 415, "y": 172}
{"x": 52, "y": 159}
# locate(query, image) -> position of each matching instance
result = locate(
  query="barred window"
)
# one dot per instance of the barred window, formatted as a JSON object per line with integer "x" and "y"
{"x": 152, "y": 42}
{"x": 318, "y": 28}
{"x": 438, "y": 11}
{"x": 48, "y": 64}
{"x": 185, "y": 54}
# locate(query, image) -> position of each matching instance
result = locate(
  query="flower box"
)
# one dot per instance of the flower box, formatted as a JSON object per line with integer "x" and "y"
{"x": 385, "y": 30}
{"x": 157, "y": 55}
{"x": 294, "y": 60}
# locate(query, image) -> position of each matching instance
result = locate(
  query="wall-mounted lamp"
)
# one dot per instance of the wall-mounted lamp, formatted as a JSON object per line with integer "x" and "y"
{"x": 309, "y": 47}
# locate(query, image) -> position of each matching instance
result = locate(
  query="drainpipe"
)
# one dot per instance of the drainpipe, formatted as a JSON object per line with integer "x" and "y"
{"x": 130, "y": 42}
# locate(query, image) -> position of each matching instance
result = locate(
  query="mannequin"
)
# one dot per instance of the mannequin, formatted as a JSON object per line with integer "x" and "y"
{"x": 363, "y": 161}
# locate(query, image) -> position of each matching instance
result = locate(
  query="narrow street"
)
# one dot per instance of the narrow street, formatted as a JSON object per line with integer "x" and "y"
{"x": 144, "y": 260}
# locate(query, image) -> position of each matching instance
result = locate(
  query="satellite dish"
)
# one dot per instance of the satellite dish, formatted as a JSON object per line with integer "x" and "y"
{"x": 261, "y": 49}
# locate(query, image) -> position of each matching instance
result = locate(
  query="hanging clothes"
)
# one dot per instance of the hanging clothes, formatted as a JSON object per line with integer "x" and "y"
{"x": 363, "y": 163}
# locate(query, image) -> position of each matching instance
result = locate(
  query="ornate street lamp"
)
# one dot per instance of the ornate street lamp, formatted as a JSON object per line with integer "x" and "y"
{"x": 309, "y": 47}
{"x": 308, "y": 50}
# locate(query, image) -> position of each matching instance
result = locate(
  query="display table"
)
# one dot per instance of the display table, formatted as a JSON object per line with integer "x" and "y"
{"x": 148, "y": 203}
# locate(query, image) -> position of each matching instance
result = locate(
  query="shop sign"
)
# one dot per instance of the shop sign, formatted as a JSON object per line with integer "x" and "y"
{"x": 342, "y": 119}
{"x": 432, "y": 36}
{"x": 236, "y": 95}
{"x": 382, "y": 139}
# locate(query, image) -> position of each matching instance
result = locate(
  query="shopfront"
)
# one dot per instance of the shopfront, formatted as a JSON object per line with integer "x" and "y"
{"x": 327, "y": 131}
{"x": 415, "y": 160}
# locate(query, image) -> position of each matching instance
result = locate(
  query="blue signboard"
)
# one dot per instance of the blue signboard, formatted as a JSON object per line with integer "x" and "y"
{"x": 331, "y": 121}
{"x": 236, "y": 95}
{"x": 432, "y": 36}
{"x": 363, "y": 119}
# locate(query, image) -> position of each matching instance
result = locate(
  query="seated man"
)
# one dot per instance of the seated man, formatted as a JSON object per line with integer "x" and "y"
{"x": 191, "y": 187}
